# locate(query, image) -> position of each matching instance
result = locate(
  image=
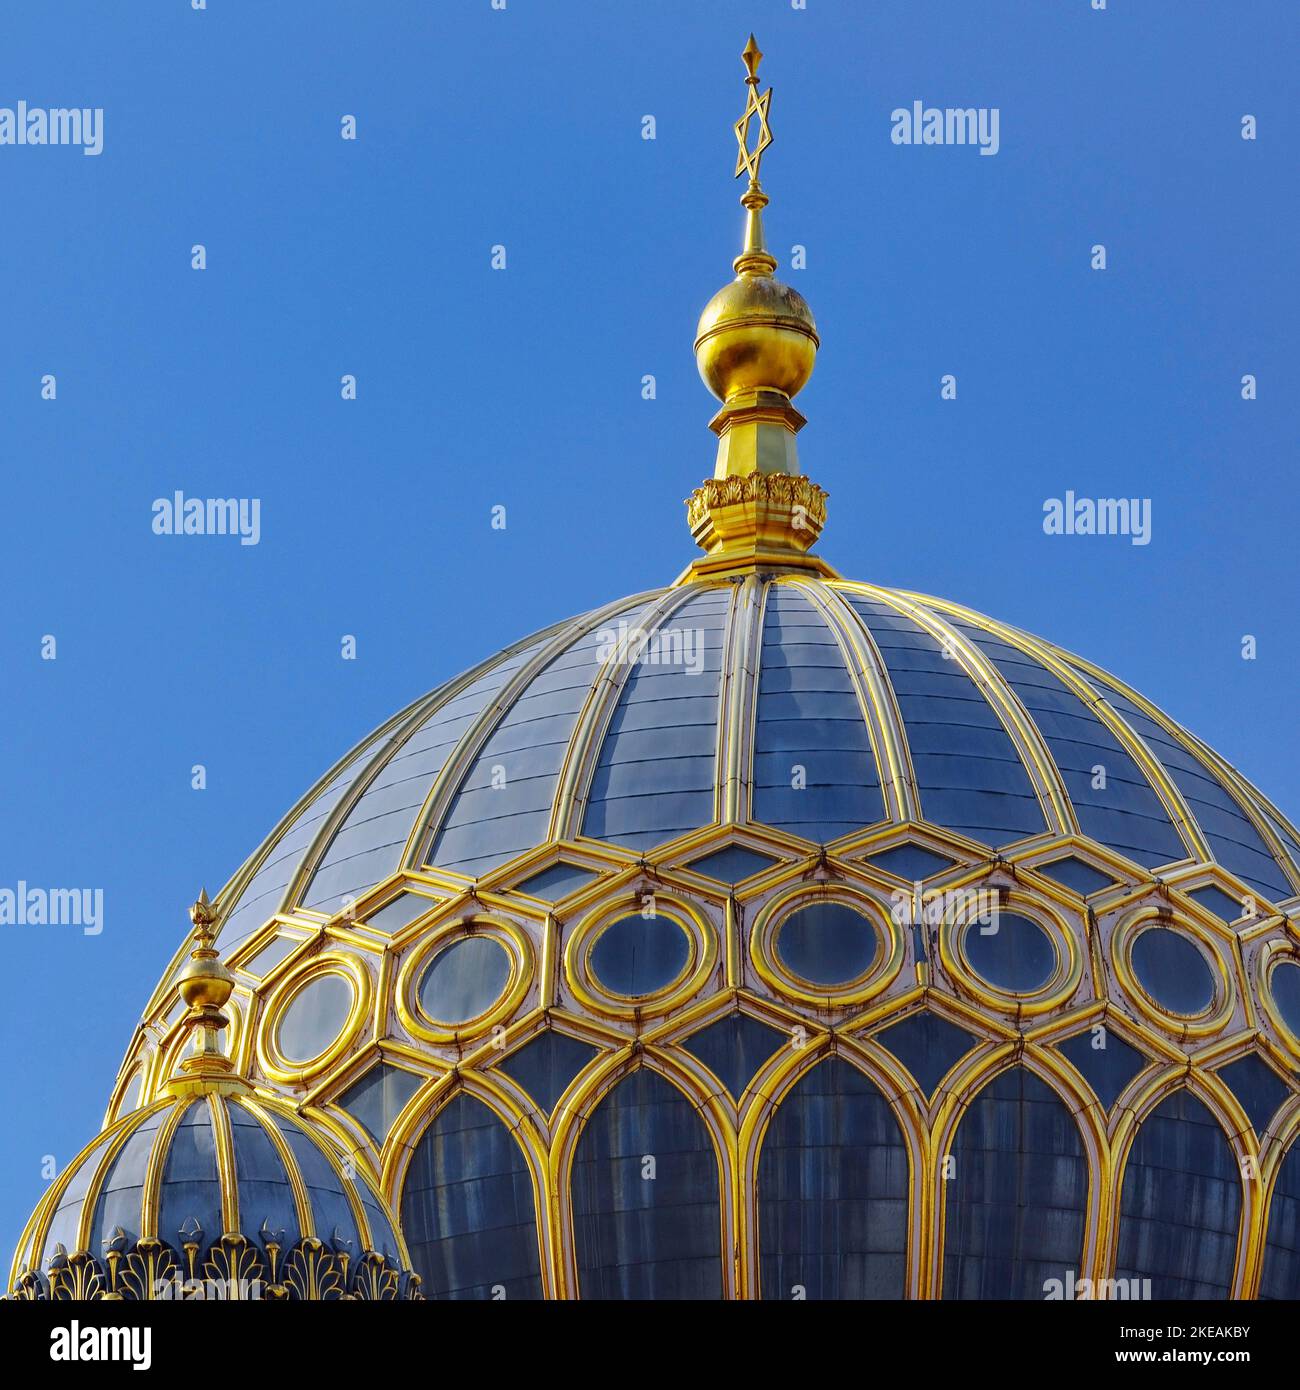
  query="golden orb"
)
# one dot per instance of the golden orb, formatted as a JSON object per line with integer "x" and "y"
{"x": 755, "y": 334}
{"x": 205, "y": 983}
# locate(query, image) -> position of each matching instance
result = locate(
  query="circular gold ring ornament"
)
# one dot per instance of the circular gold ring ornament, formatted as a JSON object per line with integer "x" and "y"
{"x": 1207, "y": 1020}
{"x": 701, "y": 955}
{"x": 879, "y": 974}
{"x": 269, "y": 1053}
{"x": 967, "y": 917}
{"x": 519, "y": 952}
{"x": 1272, "y": 955}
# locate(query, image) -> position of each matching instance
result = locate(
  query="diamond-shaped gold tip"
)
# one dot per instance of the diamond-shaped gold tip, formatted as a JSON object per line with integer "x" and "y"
{"x": 203, "y": 916}
{"x": 752, "y": 57}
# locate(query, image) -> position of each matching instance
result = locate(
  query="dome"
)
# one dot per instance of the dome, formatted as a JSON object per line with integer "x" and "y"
{"x": 212, "y": 1190}
{"x": 768, "y": 934}
{"x": 582, "y": 896}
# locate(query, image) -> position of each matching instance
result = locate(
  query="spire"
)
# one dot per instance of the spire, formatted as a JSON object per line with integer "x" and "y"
{"x": 754, "y": 259}
{"x": 755, "y": 348}
{"x": 204, "y": 986}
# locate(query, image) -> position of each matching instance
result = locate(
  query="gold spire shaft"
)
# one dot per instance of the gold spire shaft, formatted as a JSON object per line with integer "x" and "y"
{"x": 755, "y": 259}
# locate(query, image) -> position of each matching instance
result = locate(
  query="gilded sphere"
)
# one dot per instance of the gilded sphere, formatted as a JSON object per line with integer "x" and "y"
{"x": 756, "y": 333}
{"x": 206, "y": 983}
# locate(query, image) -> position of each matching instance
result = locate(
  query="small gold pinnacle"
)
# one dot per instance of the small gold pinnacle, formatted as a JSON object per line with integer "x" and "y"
{"x": 747, "y": 160}
{"x": 752, "y": 57}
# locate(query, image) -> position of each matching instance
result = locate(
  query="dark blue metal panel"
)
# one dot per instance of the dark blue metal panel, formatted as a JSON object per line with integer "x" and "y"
{"x": 655, "y": 776}
{"x": 968, "y": 773}
{"x": 546, "y": 1064}
{"x": 383, "y": 1237}
{"x": 827, "y": 943}
{"x": 1106, "y": 1062}
{"x": 1280, "y": 1278}
{"x": 1076, "y": 875}
{"x": 378, "y": 1097}
{"x": 1284, "y": 985}
{"x": 1258, "y": 1087}
{"x": 272, "y": 954}
{"x": 1011, "y": 952}
{"x": 1236, "y": 844}
{"x": 1226, "y": 908}
{"x": 833, "y": 1191}
{"x": 1180, "y": 1205}
{"x": 927, "y": 1046}
{"x": 912, "y": 862}
{"x": 639, "y": 954}
{"x": 1018, "y": 1195}
{"x": 731, "y": 864}
{"x": 556, "y": 882}
{"x": 121, "y": 1195}
{"x": 641, "y": 1232}
{"x": 808, "y": 717}
{"x": 315, "y": 1017}
{"x": 464, "y": 979}
{"x": 67, "y": 1215}
{"x": 399, "y": 912}
{"x": 735, "y": 1047}
{"x": 487, "y": 824}
{"x": 467, "y": 1208}
{"x": 331, "y": 1212}
{"x": 191, "y": 1185}
{"x": 1126, "y": 814}
{"x": 264, "y": 1192}
{"x": 1173, "y": 971}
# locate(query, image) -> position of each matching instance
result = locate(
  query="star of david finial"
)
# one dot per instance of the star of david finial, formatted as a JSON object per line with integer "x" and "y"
{"x": 748, "y": 160}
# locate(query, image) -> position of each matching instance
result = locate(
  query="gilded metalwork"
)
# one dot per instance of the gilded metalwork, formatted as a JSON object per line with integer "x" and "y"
{"x": 519, "y": 950}
{"x": 747, "y": 160}
{"x": 293, "y": 1069}
{"x": 701, "y": 956}
{"x": 231, "y": 1269}
{"x": 774, "y": 511}
{"x": 883, "y": 969}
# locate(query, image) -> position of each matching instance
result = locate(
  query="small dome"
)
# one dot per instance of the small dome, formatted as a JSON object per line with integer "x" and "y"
{"x": 755, "y": 334}
{"x": 213, "y": 1188}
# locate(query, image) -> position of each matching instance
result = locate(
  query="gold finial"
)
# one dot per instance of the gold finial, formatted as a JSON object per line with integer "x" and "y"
{"x": 203, "y": 916}
{"x": 754, "y": 259}
{"x": 748, "y": 161}
{"x": 752, "y": 57}
{"x": 204, "y": 986}
{"x": 755, "y": 347}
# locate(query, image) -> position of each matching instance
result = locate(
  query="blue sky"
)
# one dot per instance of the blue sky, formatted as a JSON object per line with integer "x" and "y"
{"x": 522, "y": 387}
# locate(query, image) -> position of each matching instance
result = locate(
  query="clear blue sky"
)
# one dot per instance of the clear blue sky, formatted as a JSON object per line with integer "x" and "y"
{"x": 523, "y": 387}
